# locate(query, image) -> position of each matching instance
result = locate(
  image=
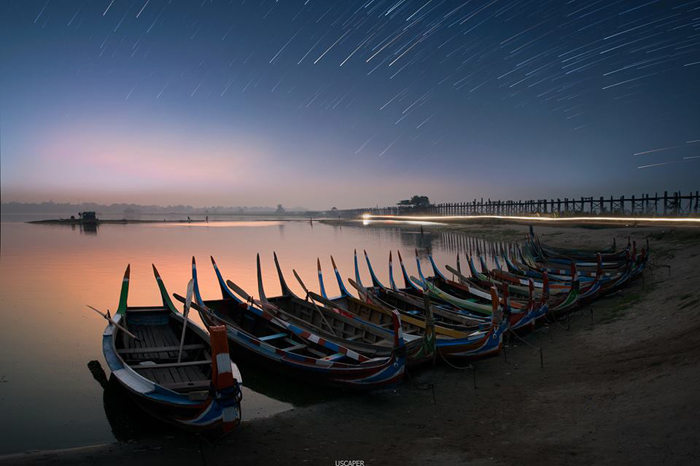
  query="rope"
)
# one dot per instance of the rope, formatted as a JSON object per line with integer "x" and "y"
{"x": 454, "y": 366}
{"x": 538, "y": 348}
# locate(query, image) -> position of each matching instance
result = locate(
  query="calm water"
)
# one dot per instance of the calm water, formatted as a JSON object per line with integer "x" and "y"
{"x": 48, "y": 397}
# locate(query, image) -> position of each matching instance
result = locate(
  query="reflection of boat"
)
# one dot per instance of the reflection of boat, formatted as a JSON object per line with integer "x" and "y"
{"x": 258, "y": 335}
{"x": 127, "y": 421}
{"x": 283, "y": 389}
{"x": 195, "y": 391}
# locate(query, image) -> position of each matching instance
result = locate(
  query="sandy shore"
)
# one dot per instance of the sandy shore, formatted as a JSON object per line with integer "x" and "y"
{"x": 617, "y": 387}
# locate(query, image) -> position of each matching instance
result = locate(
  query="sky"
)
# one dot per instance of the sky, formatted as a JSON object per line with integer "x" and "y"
{"x": 322, "y": 103}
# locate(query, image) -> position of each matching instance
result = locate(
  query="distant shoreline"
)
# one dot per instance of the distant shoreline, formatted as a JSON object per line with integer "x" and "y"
{"x": 122, "y": 221}
{"x": 125, "y": 221}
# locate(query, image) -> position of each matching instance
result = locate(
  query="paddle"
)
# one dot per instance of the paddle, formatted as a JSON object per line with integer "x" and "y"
{"x": 306, "y": 290}
{"x": 361, "y": 290}
{"x": 457, "y": 273}
{"x": 188, "y": 303}
{"x": 109, "y": 319}
{"x": 371, "y": 298}
{"x": 264, "y": 305}
{"x": 202, "y": 308}
{"x": 249, "y": 298}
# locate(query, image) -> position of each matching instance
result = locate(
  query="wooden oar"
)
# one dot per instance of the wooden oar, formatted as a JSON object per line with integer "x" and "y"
{"x": 188, "y": 303}
{"x": 109, "y": 319}
{"x": 306, "y": 290}
{"x": 361, "y": 290}
{"x": 199, "y": 308}
{"x": 249, "y": 298}
{"x": 369, "y": 297}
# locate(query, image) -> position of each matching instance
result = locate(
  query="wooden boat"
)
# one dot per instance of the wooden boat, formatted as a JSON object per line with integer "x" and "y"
{"x": 333, "y": 325}
{"x": 520, "y": 316}
{"x": 411, "y": 301}
{"x": 596, "y": 284}
{"x": 259, "y": 336}
{"x": 448, "y": 342}
{"x": 521, "y": 313}
{"x": 567, "y": 254}
{"x": 568, "y": 295}
{"x": 465, "y": 296}
{"x": 201, "y": 392}
{"x": 587, "y": 270}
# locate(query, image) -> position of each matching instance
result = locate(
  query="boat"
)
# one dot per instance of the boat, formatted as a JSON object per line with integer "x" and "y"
{"x": 568, "y": 254}
{"x": 197, "y": 388}
{"x": 260, "y": 337}
{"x": 412, "y": 300}
{"x": 449, "y": 343}
{"x": 364, "y": 336}
{"x": 521, "y": 313}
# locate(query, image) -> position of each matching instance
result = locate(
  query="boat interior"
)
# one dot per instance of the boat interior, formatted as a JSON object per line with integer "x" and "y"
{"x": 273, "y": 334}
{"x": 154, "y": 355}
{"x": 328, "y": 322}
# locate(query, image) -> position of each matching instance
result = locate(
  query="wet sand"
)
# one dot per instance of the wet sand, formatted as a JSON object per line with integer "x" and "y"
{"x": 619, "y": 386}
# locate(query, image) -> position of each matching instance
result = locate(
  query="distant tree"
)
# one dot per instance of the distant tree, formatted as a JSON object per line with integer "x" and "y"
{"x": 334, "y": 209}
{"x": 418, "y": 201}
{"x": 280, "y": 209}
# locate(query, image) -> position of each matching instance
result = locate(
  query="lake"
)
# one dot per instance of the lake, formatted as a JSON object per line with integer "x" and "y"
{"x": 48, "y": 273}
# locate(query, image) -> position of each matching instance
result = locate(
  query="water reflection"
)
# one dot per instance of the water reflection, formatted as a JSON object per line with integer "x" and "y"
{"x": 430, "y": 240}
{"x": 48, "y": 273}
{"x": 127, "y": 421}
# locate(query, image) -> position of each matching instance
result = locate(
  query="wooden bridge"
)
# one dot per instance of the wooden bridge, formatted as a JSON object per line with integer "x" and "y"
{"x": 674, "y": 204}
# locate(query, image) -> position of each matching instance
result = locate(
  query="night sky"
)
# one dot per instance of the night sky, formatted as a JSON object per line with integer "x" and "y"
{"x": 322, "y": 103}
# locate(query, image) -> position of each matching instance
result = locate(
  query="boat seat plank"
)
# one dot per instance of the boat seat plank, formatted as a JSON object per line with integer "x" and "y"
{"x": 171, "y": 364}
{"x": 316, "y": 352}
{"x": 333, "y": 357}
{"x": 149, "y": 332}
{"x": 273, "y": 337}
{"x": 175, "y": 374}
{"x": 165, "y": 376}
{"x": 295, "y": 347}
{"x": 198, "y": 384}
{"x": 175, "y": 349}
{"x": 195, "y": 373}
{"x": 154, "y": 333}
{"x": 158, "y": 333}
{"x": 171, "y": 339}
{"x": 145, "y": 340}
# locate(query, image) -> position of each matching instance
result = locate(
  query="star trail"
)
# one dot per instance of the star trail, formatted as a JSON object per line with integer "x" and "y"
{"x": 366, "y": 100}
